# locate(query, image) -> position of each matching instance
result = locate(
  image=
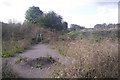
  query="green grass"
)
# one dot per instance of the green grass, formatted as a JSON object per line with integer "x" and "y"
{"x": 10, "y": 48}
{"x": 89, "y": 35}
{"x": 97, "y": 36}
{"x": 73, "y": 34}
{"x": 11, "y": 52}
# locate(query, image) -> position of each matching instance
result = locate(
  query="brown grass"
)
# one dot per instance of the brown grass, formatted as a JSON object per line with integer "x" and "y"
{"x": 96, "y": 59}
{"x": 17, "y": 37}
{"x": 92, "y": 59}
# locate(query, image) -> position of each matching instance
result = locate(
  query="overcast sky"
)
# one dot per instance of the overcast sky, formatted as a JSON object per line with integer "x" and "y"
{"x": 82, "y": 12}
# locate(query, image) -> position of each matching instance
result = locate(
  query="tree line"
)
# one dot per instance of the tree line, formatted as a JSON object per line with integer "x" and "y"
{"x": 47, "y": 20}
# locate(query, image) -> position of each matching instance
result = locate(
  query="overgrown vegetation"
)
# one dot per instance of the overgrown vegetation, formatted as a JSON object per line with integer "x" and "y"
{"x": 16, "y": 38}
{"x": 95, "y": 54}
{"x": 95, "y": 51}
{"x": 73, "y": 34}
{"x": 7, "y": 71}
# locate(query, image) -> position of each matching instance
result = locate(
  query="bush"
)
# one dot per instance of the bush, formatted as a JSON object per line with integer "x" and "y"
{"x": 53, "y": 21}
{"x": 73, "y": 34}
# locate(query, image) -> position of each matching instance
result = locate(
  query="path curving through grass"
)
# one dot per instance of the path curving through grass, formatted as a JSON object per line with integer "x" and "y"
{"x": 38, "y": 62}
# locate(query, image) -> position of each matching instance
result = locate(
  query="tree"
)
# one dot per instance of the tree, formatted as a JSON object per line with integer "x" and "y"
{"x": 32, "y": 14}
{"x": 76, "y": 27}
{"x": 97, "y": 26}
{"x": 47, "y": 20}
{"x": 65, "y": 25}
{"x": 104, "y": 25}
{"x": 52, "y": 20}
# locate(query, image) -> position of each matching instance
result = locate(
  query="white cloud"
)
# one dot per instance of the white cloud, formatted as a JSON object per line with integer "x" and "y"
{"x": 108, "y": 14}
{"x": 71, "y": 10}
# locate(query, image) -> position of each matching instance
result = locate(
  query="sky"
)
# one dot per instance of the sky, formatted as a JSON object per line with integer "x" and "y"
{"x": 82, "y": 12}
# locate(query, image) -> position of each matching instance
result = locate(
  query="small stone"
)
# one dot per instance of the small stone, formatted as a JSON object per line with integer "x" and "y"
{"x": 95, "y": 77}
{"x": 61, "y": 74}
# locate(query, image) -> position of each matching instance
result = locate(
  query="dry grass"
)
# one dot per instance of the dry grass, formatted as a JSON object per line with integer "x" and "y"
{"x": 9, "y": 48}
{"x": 7, "y": 71}
{"x": 17, "y": 37}
{"x": 101, "y": 58}
{"x": 92, "y": 59}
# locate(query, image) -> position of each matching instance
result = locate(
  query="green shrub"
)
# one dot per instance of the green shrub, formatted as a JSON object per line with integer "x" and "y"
{"x": 73, "y": 34}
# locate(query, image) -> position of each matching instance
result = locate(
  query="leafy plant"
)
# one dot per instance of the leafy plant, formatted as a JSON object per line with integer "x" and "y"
{"x": 73, "y": 34}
